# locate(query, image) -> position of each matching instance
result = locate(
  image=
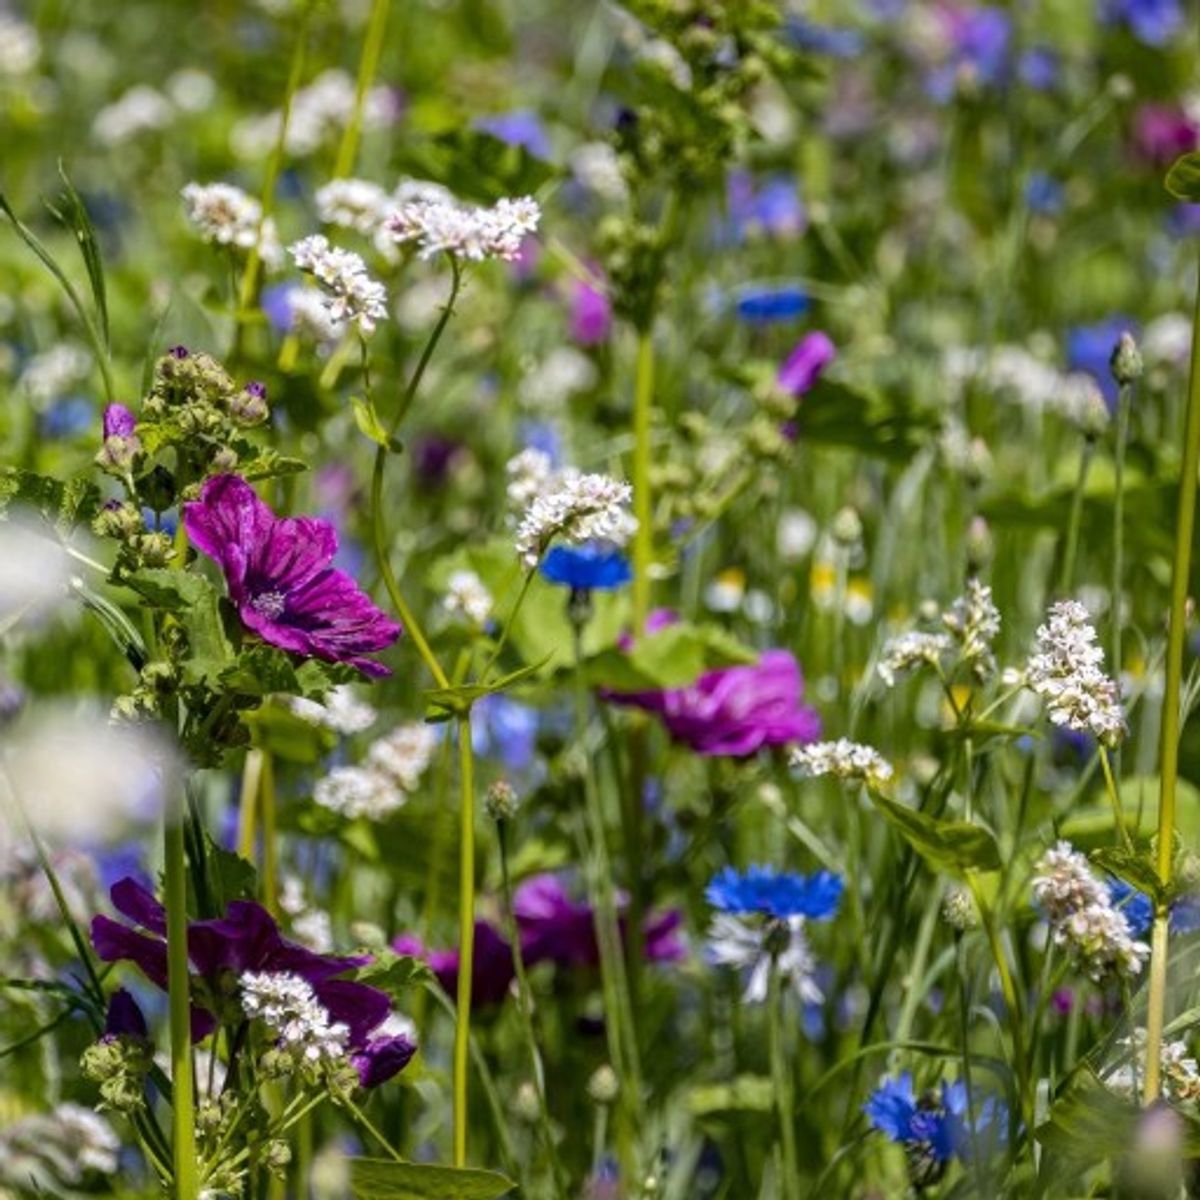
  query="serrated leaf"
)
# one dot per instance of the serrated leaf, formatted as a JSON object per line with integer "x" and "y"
{"x": 953, "y": 846}
{"x": 381, "y": 1179}
{"x": 1183, "y": 179}
{"x": 196, "y": 604}
{"x": 65, "y": 503}
{"x": 230, "y": 876}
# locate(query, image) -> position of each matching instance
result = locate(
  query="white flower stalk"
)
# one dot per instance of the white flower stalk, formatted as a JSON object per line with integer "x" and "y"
{"x": 404, "y": 754}
{"x": 759, "y": 948}
{"x": 467, "y": 597}
{"x": 355, "y": 204}
{"x": 224, "y": 215}
{"x": 288, "y": 1007}
{"x": 579, "y": 508}
{"x": 1065, "y": 671}
{"x": 350, "y": 293}
{"x": 342, "y": 711}
{"x": 845, "y": 760}
{"x": 1082, "y": 917}
{"x": 908, "y": 651}
{"x": 474, "y": 234}
{"x": 973, "y": 621}
{"x": 529, "y": 473}
{"x": 354, "y": 792}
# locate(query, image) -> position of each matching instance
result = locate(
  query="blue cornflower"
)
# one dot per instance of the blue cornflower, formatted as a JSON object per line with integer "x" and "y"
{"x": 1138, "y": 909}
{"x": 1039, "y": 68}
{"x": 773, "y": 893}
{"x": 587, "y": 568}
{"x": 762, "y": 303}
{"x": 66, "y": 417}
{"x": 1153, "y": 22}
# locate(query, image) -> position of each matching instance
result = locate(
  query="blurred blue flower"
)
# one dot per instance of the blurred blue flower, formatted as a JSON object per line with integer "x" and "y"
{"x": 1184, "y": 220}
{"x": 1152, "y": 22}
{"x": 521, "y": 127}
{"x": 66, "y": 417}
{"x": 933, "y": 1127}
{"x": 1089, "y": 347}
{"x": 821, "y": 39}
{"x": 505, "y": 729}
{"x": 774, "y": 208}
{"x": 587, "y": 568}
{"x": 167, "y": 522}
{"x": 1044, "y": 194}
{"x": 541, "y": 435}
{"x": 775, "y": 893}
{"x": 1138, "y": 909}
{"x": 1038, "y": 68}
{"x": 760, "y": 304}
{"x": 979, "y": 40}
{"x": 277, "y": 306}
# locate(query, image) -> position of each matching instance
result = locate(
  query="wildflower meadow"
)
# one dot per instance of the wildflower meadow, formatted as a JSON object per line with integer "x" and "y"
{"x": 596, "y": 599}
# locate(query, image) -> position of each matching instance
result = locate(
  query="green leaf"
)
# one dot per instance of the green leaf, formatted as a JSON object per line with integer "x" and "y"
{"x": 369, "y": 424}
{"x": 1183, "y": 179}
{"x": 394, "y": 973}
{"x": 669, "y": 658}
{"x": 230, "y": 876}
{"x": 65, "y": 503}
{"x": 381, "y": 1179}
{"x": 74, "y": 215}
{"x": 1091, "y": 827}
{"x": 744, "y": 1093}
{"x": 1137, "y": 869}
{"x": 256, "y": 463}
{"x": 953, "y": 846}
{"x": 288, "y": 736}
{"x": 455, "y": 701}
{"x": 196, "y": 604}
{"x": 1086, "y": 1125}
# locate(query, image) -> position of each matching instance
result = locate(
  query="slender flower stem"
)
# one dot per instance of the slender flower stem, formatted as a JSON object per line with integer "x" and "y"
{"x": 1124, "y": 401}
{"x": 466, "y": 937}
{"x": 368, "y": 65}
{"x": 1169, "y": 770}
{"x": 1114, "y": 797}
{"x": 186, "y": 1177}
{"x": 643, "y": 501}
{"x": 781, "y": 1076}
{"x": 1066, "y": 578}
{"x": 270, "y": 851}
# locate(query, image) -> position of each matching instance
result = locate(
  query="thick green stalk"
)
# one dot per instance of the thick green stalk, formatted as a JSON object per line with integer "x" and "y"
{"x": 183, "y": 1118}
{"x": 368, "y": 64}
{"x": 643, "y": 501}
{"x": 466, "y": 938}
{"x": 1184, "y": 526}
{"x": 782, "y": 1079}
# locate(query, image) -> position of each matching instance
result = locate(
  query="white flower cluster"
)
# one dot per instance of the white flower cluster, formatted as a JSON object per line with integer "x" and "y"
{"x": 467, "y": 597}
{"x": 909, "y": 650}
{"x": 319, "y": 113}
{"x": 47, "y": 1151}
{"x": 597, "y": 167}
{"x": 310, "y": 926}
{"x": 1082, "y": 916}
{"x": 973, "y": 621}
{"x": 350, "y": 293}
{"x": 393, "y": 768}
{"x": 578, "y": 507}
{"x": 288, "y": 1007}
{"x": 1180, "y": 1071}
{"x": 227, "y": 216}
{"x": 1065, "y": 671}
{"x": 140, "y": 110}
{"x": 1013, "y": 373}
{"x": 53, "y": 373}
{"x": 309, "y": 316}
{"x": 438, "y": 225}
{"x": 737, "y": 942}
{"x": 843, "y": 759}
{"x": 343, "y": 711}
{"x": 529, "y": 473}
{"x": 354, "y": 204}
{"x": 563, "y": 373}
{"x": 19, "y": 45}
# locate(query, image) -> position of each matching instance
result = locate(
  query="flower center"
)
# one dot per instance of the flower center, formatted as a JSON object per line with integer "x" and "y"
{"x": 269, "y": 604}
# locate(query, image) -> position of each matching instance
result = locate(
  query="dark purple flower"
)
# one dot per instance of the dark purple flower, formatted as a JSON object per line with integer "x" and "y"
{"x": 1162, "y": 132}
{"x": 279, "y": 576}
{"x": 124, "y": 1017}
{"x": 555, "y": 928}
{"x": 803, "y": 367}
{"x": 433, "y": 458}
{"x": 492, "y": 971}
{"x": 591, "y": 314}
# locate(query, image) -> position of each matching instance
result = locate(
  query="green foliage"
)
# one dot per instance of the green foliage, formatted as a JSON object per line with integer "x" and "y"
{"x": 380, "y": 1179}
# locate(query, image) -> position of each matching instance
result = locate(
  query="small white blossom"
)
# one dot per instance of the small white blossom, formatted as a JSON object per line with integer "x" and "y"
{"x": 466, "y": 596}
{"x": 474, "y": 234}
{"x": 355, "y": 792}
{"x": 350, "y": 293}
{"x": 910, "y": 650}
{"x": 191, "y": 90}
{"x": 309, "y": 316}
{"x": 53, "y": 373}
{"x": 578, "y": 507}
{"x": 343, "y": 711}
{"x": 404, "y": 754}
{"x": 288, "y": 1007}
{"x": 354, "y": 204}
{"x": 226, "y": 216}
{"x": 597, "y": 167}
{"x": 528, "y": 474}
{"x": 973, "y": 620}
{"x": 563, "y": 373}
{"x": 843, "y": 759}
{"x": 1065, "y": 671}
{"x": 749, "y": 946}
{"x": 1180, "y": 1071}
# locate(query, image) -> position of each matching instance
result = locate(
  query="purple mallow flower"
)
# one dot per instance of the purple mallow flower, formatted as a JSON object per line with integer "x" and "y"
{"x": 492, "y": 972}
{"x": 733, "y": 711}
{"x": 279, "y": 577}
{"x": 805, "y": 364}
{"x": 124, "y": 1018}
{"x": 245, "y": 939}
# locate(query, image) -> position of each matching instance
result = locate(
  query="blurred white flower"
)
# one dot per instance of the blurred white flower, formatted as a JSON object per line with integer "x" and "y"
{"x": 139, "y": 110}
{"x": 35, "y": 570}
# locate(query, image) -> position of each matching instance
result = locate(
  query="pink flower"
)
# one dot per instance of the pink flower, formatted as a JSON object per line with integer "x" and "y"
{"x": 591, "y": 314}
{"x": 1162, "y": 132}
{"x": 803, "y": 367}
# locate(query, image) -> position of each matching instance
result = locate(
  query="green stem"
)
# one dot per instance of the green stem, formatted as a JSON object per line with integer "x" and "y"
{"x": 466, "y": 937}
{"x": 1067, "y": 576}
{"x": 368, "y": 65}
{"x": 270, "y": 850}
{"x": 248, "y": 810}
{"x": 643, "y": 501}
{"x": 1124, "y": 399}
{"x": 783, "y": 1088}
{"x": 1114, "y": 797}
{"x": 186, "y": 1177}
{"x": 1184, "y": 526}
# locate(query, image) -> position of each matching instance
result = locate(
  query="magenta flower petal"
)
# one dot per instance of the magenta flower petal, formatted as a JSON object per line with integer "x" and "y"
{"x": 279, "y": 574}
{"x": 119, "y": 421}
{"x": 114, "y": 942}
{"x": 802, "y": 368}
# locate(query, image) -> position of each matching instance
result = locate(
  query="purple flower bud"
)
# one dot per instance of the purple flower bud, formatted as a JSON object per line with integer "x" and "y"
{"x": 119, "y": 421}
{"x": 124, "y": 1016}
{"x": 249, "y": 406}
{"x": 802, "y": 368}
{"x": 180, "y": 352}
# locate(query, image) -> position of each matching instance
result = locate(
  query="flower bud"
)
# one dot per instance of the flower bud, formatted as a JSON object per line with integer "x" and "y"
{"x": 249, "y": 406}
{"x": 525, "y": 1102}
{"x": 847, "y": 527}
{"x": 501, "y": 801}
{"x": 958, "y": 909}
{"x": 980, "y": 545}
{"x": 225, "y": 460}
{"x": 118, "y": 520}
{"x": 1126, "y": 361}
{"x": 153, "y": 549}
{"x": 603, "y": 1086}
{"x": 276, "y": 1157}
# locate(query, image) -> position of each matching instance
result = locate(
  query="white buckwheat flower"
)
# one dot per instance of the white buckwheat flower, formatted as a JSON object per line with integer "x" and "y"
{"x": 358, "y": 792}
{"x": 350, "y": 293}
{"x": 1065, "y": 671}
{"x": 309, "y": 316}
{"x": 466, "y": 596}
{"x": 845, "y": 760}
{"x": 910, "y": 650}
{"x": 226, "y": 216}
{"x": 354, "y": 204}
{"x": 528, "y": 474}
{"x": 579, "y": 508}
{"x": 289, "y": 1008}
{"x": 342, "y": 711}
{"x": 404, "y": 754}
{"x": 1082, "y": 917}
{"x": 736, "y": 942}
{"x": 973, "y": 620}
{"x": 474, "y": 234}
